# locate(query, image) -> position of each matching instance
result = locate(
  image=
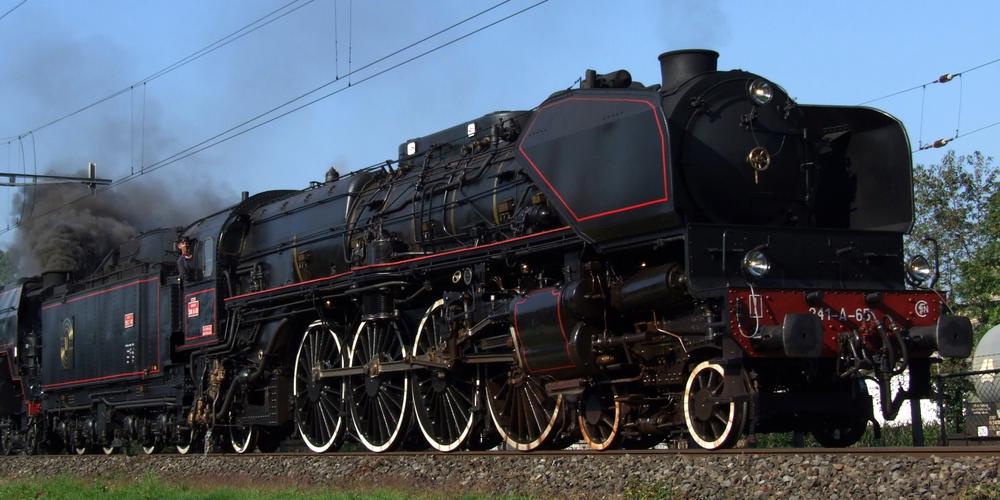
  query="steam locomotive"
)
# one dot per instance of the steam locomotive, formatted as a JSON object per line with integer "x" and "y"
{"x": 700, "y": 259}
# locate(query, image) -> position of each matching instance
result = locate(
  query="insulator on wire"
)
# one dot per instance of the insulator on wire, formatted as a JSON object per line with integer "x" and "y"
{"x": 940, "y": 143}
{"x": 945, "y": 78}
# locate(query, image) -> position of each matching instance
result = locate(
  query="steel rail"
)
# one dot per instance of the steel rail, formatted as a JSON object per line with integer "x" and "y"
{"x": 930, "y": 451}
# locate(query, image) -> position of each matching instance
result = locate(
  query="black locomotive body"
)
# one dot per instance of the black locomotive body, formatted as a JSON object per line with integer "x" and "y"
{"x": 627, "y": 264}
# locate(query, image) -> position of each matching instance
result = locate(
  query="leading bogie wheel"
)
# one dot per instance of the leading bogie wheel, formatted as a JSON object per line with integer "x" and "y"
{"x": 712, "y": 421}
{"x": 599, "y": 417}
{"x": 444, "y": 399}
{"x": 319, "y": 403}
{"x": 379, "y": 400}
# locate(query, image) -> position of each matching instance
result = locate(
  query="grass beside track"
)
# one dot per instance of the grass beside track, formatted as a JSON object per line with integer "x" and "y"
{"x": 151, "y": 487}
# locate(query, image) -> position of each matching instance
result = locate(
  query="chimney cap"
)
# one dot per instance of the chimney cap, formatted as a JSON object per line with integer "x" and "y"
{"x": 707, "y": 52}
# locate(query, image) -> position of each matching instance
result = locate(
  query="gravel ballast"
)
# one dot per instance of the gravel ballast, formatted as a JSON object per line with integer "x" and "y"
{"x": 572, "y": 476}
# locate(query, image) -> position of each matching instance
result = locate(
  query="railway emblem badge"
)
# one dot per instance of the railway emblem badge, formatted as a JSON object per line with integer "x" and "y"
{"x": 193, "y": 307}
{"x": 759, "y": 160}
{"x": 921, "y": 308}
{"x": 66, "y": 344}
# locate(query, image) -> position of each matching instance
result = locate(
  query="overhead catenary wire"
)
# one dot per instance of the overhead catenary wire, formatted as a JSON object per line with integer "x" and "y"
{"x": 336, "y": 42}
{"x": 265, "y": 20}
{"x": 945, "y": 78}
{"x": 196, "y": 148}
{"x": 239, "y": 130}
{"x": 12, "y": 9}
{"x": 222, "y": 137}
{"x": 350, "y": 38}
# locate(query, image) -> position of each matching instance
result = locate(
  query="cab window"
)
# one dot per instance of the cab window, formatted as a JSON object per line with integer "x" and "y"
{"x": 208, "y": 259}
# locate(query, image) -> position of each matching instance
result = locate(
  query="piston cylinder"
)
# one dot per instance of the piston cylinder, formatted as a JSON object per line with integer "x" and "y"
{"x": 551, "y": 334}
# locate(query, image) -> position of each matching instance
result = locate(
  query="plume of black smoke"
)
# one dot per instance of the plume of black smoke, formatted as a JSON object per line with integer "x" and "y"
{"x": 67, "y": 228}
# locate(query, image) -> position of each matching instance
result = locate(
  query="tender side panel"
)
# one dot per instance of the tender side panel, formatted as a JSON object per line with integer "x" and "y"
{"x": 102, "y": 335}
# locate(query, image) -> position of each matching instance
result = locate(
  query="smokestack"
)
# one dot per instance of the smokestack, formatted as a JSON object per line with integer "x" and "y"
{"x": 245, "y": 195}
{"x": 54, "y": 278}
{"x": 678, "y": 66}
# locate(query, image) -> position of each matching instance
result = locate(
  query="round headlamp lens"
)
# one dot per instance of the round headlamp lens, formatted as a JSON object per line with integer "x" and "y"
{"x": 919, "y": 269}
{"x": 756, "y": 264}
{"x": 761, "y": 92}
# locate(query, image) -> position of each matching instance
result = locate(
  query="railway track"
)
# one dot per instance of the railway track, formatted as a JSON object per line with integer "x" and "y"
{"x": 941, "y": 451}
{"x": 930, "y": 472}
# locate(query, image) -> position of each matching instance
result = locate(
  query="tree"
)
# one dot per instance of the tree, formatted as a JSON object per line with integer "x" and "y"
{"x": 980, "y": 285}
{"x": 956, "y": 204}
{"x": 6, "y": 268}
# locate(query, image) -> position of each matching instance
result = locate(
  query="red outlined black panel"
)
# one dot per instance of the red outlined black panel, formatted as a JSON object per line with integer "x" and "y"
{"x": 139, "y": 314}
{"x": 199, "y": 317}
{"x": 599, "y": 155}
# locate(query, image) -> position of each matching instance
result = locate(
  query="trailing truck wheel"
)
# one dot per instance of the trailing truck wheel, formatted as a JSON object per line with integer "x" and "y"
{"x": 526, "y": 416}
{"x": 151, "y": 449}
{"x": 840, "y": 433}
{"x": 242, "y": 438}
{"x": 269, "y": 438}
{"x": 186, "y": 442}
{"x": 380, "y": 401}
{"x": 319, "y": 404}
{"x": 444, "y": 399}
{"x": 642, "y": 443}
{"x": 600, "y": 418}
{"x": 711, "y": 423}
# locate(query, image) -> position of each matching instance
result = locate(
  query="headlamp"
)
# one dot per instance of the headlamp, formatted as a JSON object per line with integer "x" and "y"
{"x": 761, "y": 92}
{"x": 919, "y": 270}
{"x": 756, "y": 264}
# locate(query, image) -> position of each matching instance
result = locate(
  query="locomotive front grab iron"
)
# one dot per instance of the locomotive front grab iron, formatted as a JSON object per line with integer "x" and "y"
{"x": 703, "y": 257}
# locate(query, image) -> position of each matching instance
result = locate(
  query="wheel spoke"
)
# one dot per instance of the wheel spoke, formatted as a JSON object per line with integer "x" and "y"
{"x": 722, "y": 426}
{"x": 378, "y": 415}
{"x": 317, "y": 406}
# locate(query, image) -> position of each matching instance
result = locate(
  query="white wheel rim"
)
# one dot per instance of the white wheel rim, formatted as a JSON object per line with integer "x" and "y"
{"x": 601, "y": 445}
{"x": 244, "y": 445}
{"x": 183, "y": 449}
{"x": 511, "y": 441}
{"x": 406, "y": 396}
{"x": 149, "y": 450}
{"x": 108, "y": 450}
{"x": 708, "y": 445}
{"x": 420, "y": 421}
{"x": 322, "y": 447}
{"x": 80, "y": 450}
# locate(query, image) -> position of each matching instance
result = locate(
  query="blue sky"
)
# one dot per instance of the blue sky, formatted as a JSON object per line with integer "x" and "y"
{"x": 57, "y": 55}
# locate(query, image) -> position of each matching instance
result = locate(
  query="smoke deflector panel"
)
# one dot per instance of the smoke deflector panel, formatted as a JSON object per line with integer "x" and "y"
{"x": 572, "y": 150}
